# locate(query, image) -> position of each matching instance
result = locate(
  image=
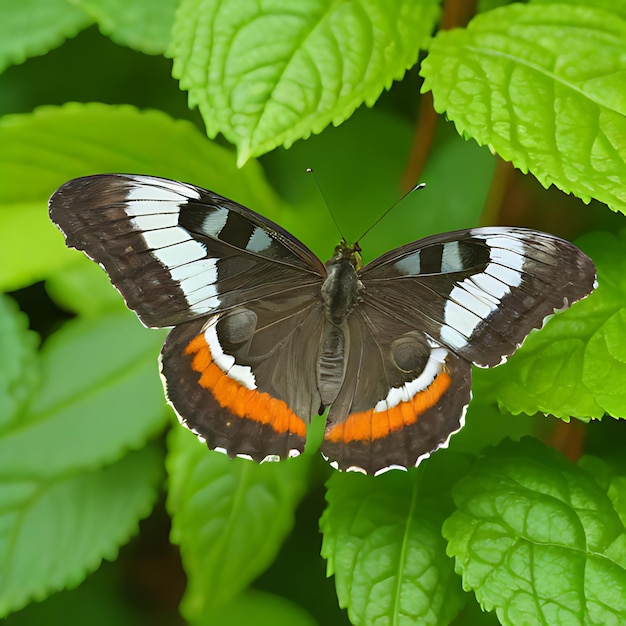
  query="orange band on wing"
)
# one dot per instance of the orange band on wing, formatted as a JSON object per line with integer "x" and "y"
{"x": 369, "y": 425}
{"x": 240, "y": 400}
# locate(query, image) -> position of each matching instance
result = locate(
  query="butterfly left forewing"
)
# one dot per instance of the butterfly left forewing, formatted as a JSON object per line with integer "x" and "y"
{"x": 177, "y": 252}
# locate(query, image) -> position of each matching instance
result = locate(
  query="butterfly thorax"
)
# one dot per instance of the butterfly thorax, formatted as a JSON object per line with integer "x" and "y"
{"x": 341, "y": 289}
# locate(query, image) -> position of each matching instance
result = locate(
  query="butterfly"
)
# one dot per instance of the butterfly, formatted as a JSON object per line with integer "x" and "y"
{"x": 265, "y": 335}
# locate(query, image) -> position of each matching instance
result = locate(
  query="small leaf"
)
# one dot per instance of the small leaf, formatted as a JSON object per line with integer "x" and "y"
{"x": 56, "y": 528}
{"x": 19, "y": 373}
{"x": 42, "y": 150}
{"x": 575, "y": 365}
{"x": 30, "y": 28}
{"x": 382, "y": 540}
{"x": 100, "y": 396}
{"x": 269, "y": 73}
{"x": 138, "y": 24}
{"x": 537, "y": 540}
{"x": 544, "y": 87}
{"x": 230, "y": 517}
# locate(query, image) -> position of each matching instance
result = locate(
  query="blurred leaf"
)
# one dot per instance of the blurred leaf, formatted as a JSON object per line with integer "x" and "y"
{"x": 57, "y": 527}
{"x": 544, "y": 87}
{"x": 19, "y": 373}
{"x": 41, "y": 151}
{"x": 68, "y": 287}
{"x": 575, "y": 365}
{"x": 230, "y": 517}
{"x": 257, "y": 608}
{"x": 32, "y": 27}
{"x": 96, "y": 601}
{"x": 140, "y": 24}
{"x": 537, "y": 540}
{"x": 486, "y": 425}
{"x": 61, "y": 512}
{"x": 100, "y": 396}
{"x": 265, "y": 74}
{"x": 382, "y": 541}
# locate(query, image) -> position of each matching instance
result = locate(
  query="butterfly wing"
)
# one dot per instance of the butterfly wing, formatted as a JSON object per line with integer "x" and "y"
{"x": 480, "y": 291}
{"x": 243, "y": 294}
{"x": 427, "y": 311}
{"x": 403, "y": 395}
{"x": 177, "y": 252}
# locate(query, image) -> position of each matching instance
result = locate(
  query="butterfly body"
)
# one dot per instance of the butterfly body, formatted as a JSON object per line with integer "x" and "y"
{"x": 265, "y": 336}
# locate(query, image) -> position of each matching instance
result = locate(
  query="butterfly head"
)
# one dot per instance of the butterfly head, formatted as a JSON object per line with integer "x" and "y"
{"x": 348, "y": 251}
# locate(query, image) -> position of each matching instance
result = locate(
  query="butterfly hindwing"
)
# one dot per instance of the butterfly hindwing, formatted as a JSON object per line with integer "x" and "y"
{"x": 244, "y": 380}
{"x": 404, "y": 395}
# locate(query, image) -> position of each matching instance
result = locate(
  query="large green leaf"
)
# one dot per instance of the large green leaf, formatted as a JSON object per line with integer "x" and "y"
{"x": 230, "y": 517}
{"x": 19, "y": 372}
{"x": 42, "y": 150}
{"x": 70, "y": 493}
{"x": 382, "y": 541}
{"x": 100, "y": 396}
{"x": 271, "y": 72}
{"x": 537, "y": 540}
{"x": 56, "y": 528}
{"x": 544, "y": 86}
{"x": 258, "y": 608}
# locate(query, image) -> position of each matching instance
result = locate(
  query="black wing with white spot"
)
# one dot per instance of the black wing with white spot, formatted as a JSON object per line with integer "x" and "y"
{"x": 479, "y": 291}
{"x": 178, "y": 252}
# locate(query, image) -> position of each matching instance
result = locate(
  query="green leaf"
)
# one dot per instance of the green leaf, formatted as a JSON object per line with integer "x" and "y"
{"x": 19, "y": 374}
{"x": 258, "y": 608}
{"x": 615, "y": 6}
{"x": 41, "y": 151}
{"x": 575, "y": 365}
{"x": 537, "y": 539}
{"x": 100, "y": 396}
{"x": 544, "y": 87}
{"x": 57, "y": 527}
{"x": 610, "y": 474}
{"x": 139, "y": 24}
{"x": 382, "y": 540}
{"x": 605, "y": 358}
{"x": 68, "y": 286}
{"x": 32, "y": 27}
{"x": 230, "y": 517}
{"x": 268, "y": 73}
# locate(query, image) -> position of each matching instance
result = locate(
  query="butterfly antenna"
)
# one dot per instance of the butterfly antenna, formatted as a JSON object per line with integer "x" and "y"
{"x": 309, "y": 170}
{"x": 396, "y": 203}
